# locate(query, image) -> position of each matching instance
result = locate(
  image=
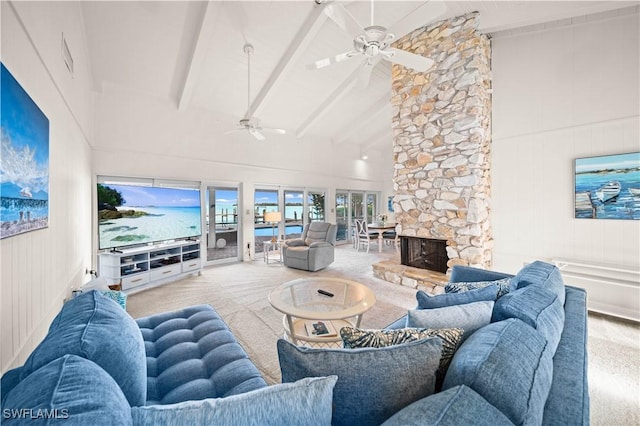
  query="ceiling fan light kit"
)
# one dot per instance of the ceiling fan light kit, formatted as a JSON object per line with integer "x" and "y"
{"x": 372, "y": 42}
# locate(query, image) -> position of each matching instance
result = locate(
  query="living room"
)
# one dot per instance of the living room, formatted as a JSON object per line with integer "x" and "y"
{"x": 562, "y": 90}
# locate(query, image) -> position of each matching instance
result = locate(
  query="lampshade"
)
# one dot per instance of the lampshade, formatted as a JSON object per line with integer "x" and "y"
{"x": 272, "y": 217}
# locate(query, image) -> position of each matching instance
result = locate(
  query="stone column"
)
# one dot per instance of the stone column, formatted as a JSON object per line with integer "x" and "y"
{"x": 442, "y": 140}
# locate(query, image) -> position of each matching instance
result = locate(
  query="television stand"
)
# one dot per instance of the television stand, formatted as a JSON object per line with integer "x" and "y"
{"x": 139, "y": 268}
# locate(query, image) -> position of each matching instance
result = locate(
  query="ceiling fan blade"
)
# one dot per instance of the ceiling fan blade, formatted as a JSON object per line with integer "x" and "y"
{"x": 366, "y": 68}
{"x": 407, "y": 59}
{"x": 228, "y": 132}
{"x": 256, "y": 134}
{"x": 341, "y": 16}
{"x": 424, "y": 14}
{"x": 273, "y": 130}
{"x": 322, "y": 63}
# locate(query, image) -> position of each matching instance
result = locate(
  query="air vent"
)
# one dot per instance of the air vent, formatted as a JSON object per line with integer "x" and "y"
{"x": 66, "y": 55}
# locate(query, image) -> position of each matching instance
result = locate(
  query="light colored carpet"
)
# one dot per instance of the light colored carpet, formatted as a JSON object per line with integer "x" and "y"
{"x": 239, "y": 293}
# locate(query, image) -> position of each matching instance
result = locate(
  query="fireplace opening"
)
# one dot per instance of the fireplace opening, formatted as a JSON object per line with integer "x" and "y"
{"x": 424, "y": 253}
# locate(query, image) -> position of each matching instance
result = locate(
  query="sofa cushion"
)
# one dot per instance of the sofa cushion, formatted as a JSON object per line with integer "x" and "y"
{"x": 536, "y": 306}
{"x": 192, "y": 354}
{"x": 373, "y": 383}
{"x": 469, "y": 317}
{"x": 97, "y": 328}
{"x": 69, "y": 389}
{"x": 425, "y": 301}
{"x": 504, "y": 286}
{"x": 506, "y": 363}
{"x": 459, "y": 405}
{"x": 305, "y": 402}
{"x": 543, "y": 275}
{"x": 451, "y": 338}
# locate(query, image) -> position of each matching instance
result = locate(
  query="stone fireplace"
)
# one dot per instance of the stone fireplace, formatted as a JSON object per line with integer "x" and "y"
{"x": 441, "y": 141}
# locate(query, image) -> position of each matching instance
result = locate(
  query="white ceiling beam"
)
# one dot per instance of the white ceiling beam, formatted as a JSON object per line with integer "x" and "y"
{"x": 305, "y": 35}
{"x": 364, "y": 119}
{"x": 199, "y": 53}
{"x": 347, "y": 85}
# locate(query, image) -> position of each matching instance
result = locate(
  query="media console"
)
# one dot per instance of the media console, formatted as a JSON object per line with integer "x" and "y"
{"x": 148, "y": 266}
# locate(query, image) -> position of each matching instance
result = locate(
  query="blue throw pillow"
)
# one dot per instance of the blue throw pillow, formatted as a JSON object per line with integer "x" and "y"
{"x": 507, "y": 364}
{"x": 541, "y": 274}
{"x": 70, "y": 390}
{"x": 425, "y": 301}
{"x": 305, "y": 402}
{"x": 456, "y": 406}
{"x": 504, "y": 286}
{"x": 469, "y": 317}
{"x": 373, "y": 383}
{"x": 536, "y": 306}
{"x": 451, "y": 338}
{"x": 95, "y": 327}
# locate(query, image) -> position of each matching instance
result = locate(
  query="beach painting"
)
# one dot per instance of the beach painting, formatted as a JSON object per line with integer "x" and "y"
{"x": 608, "y": 187}
{"x": 24, "y": 160}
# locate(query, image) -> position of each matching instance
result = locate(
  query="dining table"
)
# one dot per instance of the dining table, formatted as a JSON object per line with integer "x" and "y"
{"x": 380, "y": 228}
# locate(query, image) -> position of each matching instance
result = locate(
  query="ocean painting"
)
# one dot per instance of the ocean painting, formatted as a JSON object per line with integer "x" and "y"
{"x": 24, "y": 160}
{"x": 608, "y": 187}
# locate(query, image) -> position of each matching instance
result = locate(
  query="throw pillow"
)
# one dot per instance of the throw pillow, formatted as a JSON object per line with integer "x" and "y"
{"x": 97, "y": 328}
{"x": 68, "y": 389}
{"x": 305, "y": 402}
{"x": 469, "y": 317}
{"x": 117, "y": 296}
{"x": 509, "y": 365}
{"x": 451, "y": 338}
{"x": 425, "y": 301}
{"x": 373, "y": 383}
{"x": 504, "y": 286}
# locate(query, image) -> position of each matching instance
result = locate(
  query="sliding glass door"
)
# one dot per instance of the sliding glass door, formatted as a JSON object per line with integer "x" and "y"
{"x": 352, "y": 205}
{"x": 293, "y": 213}
{"x": 222, "y": 223}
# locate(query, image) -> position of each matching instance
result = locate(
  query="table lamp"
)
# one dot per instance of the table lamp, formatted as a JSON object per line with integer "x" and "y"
{"x": 273, "y": 218}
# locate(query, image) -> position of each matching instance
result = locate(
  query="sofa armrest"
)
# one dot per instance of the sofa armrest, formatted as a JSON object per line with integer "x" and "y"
{"x": 320, "y": 244}
{"x": 295, "y": 242}
{"x": 568, "y": 400}
{"x": 460, "y": 273}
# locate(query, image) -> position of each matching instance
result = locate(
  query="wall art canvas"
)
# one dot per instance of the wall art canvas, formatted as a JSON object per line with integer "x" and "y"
{"x": 24, "y": 160}
{"x": 608, "y": 187}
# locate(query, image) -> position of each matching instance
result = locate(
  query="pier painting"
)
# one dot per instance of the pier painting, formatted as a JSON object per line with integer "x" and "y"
{"x": 24, "y": 160}
{"x": 608, "y": 187}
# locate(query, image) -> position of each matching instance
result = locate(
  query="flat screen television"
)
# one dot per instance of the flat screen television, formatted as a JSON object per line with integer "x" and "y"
{"x": 133, "y": 215}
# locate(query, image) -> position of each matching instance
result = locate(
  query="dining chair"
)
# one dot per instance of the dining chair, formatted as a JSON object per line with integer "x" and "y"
{"x": 364, "y": 238}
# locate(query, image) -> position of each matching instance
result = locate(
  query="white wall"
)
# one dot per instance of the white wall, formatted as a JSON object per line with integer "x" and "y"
{"x": 141, "y": 136}
{"x": 559, "y": 94}
{"x": 39, "y": 268}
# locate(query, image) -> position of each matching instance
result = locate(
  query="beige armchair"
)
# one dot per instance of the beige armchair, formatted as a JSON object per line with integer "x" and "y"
{"x": 314, "y": 250}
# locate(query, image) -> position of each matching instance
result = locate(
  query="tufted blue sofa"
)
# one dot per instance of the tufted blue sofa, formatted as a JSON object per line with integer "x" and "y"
{"x": 99, "y": 366}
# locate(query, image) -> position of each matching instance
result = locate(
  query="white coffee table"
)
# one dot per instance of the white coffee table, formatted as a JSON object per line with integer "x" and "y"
{"x": 299, "y": 301}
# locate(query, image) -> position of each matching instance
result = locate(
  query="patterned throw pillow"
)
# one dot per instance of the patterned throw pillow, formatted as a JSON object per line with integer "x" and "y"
{"x": 504, "y": 286}
{"x": 451, "y": 337}
{"x": 117, "y": 296}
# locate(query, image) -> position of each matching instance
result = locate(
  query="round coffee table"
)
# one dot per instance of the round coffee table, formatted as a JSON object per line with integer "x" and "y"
{"x": 300, "y": 301}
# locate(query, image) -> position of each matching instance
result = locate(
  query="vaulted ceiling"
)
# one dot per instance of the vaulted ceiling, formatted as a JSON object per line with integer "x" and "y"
{"x": 191, "y": 52}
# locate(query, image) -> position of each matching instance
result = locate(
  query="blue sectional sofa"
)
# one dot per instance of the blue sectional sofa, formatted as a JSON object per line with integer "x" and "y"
{"x": 524, "y": 363}
{"x": 98, "y": 366}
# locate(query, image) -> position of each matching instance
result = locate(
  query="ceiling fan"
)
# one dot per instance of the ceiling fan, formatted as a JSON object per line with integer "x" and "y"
{"x": 374, "y": 42}
{"x": 249, "y": 123}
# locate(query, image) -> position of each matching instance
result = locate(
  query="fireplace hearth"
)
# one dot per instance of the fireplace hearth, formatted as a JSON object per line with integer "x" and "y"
{"x": 424, "y": 253}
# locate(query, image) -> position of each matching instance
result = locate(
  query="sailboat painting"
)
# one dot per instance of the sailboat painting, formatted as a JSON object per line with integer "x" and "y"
{"x": 24, "y": 160}
{"x": 608, "y": 187}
